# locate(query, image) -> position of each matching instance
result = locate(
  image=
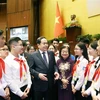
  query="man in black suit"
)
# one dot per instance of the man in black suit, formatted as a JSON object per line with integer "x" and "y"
{"x": 44, "y": 71}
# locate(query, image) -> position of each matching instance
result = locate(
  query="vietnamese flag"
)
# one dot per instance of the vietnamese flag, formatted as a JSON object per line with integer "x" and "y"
{"x": 58, "y": 23}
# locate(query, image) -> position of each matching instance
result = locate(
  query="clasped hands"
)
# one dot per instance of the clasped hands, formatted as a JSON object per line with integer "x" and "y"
{"x": 44, "y": 76}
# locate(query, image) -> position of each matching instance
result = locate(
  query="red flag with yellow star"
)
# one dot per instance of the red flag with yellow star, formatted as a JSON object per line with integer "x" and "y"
{"x": 58, "y": 23}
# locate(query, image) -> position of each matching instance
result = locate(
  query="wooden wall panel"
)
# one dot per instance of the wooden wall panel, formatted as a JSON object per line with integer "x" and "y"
{"x": 27, "y": 4}
{"x": 19, "y": 19}
{"x": 20, "y": 14}
{"x": 3, "y": 17}
{"x": 11, "y": 6}
{"x": 20, "y": 5}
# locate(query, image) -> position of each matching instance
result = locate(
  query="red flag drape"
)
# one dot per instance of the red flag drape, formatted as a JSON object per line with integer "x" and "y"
{"x": 58, "y": 23}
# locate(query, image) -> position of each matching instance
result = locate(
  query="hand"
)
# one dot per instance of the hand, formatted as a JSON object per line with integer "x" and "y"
{"x": 24, "y": 96}
{"x": 7, "y": 96}
{"x": 85, "y": 94}
{"x": 56, "y": 74}
{"x": 65, "y": 81}
{"x": 27, "y": 90}
{"x": 95, "y": 98}
{"x": 82, "y": 92}
{"x": 74, "y": 91}
{"x": 43, "y": 77}
{"x": 72, "y": 87}
{"x": 7, "y": 91}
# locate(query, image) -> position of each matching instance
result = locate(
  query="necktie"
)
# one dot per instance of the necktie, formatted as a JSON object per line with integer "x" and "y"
{"x": 21, "y": 62}
{"x": 2, "y": 67}
{"x": 44, "y": 57}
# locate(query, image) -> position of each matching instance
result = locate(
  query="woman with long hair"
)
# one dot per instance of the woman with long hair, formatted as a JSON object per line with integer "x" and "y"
{"x": 90, "y": 70}
{"x": 79, "y": 69}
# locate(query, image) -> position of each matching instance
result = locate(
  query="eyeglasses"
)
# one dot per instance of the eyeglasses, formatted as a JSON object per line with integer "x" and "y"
{"x": 77, "y": 49}
{"x": 3, "y": 49}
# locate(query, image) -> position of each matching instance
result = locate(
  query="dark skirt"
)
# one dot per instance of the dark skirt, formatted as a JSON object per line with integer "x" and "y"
{"x": 1, "y": 98}
{"x": 16, "y": 97}
{"x": 65, "y": 94}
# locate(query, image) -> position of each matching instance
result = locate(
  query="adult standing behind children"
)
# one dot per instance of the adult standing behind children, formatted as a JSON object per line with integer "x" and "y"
{"x": 17, "y": 71}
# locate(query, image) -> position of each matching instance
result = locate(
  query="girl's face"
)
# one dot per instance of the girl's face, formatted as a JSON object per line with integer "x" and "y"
{"x": 92, "y": 51}
{"x": 31, "y": 49}
{"x": 4, "y": 52}
{"x": 51, "y": 48}
{"x": 78, "y": 51}
{"x": 64, "y": 53}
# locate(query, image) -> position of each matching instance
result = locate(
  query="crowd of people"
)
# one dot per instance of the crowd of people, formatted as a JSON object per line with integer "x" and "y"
{"x": 49, "y": 72}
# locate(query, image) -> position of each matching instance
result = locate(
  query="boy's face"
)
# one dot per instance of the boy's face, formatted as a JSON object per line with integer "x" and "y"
{"x": 2, "y": 40}
{"x": 18, "y": 47}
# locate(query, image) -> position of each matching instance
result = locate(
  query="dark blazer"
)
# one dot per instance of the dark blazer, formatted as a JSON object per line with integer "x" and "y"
{"x": 39, "y": 66}
{"x": 28, "y": 58}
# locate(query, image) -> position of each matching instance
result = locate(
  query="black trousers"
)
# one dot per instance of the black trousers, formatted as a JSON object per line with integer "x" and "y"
{"x": 1, "y": 98}
{"x": 16, "y": 97}
{"x": 46, "y": 95}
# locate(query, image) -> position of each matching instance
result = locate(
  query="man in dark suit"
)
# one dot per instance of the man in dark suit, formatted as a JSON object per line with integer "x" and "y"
{"x": 44, "y": 71}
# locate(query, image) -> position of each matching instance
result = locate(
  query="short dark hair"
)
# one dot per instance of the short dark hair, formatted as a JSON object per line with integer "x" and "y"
{"x": 63, "y": 47}
{"x": 12, "y": 40}
{"x": 55, "y": 39}
{"x": 1, "y": 32}
{"x": 39, "y": 39}
{"x": 24, "y": 43}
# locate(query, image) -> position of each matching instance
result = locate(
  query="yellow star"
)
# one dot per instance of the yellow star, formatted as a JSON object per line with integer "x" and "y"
{"x": 57, "y": 19}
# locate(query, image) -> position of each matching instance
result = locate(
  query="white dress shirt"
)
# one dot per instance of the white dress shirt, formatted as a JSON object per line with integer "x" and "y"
{"x": 3, "y": 84}
{"x": 96, "y": 84}
{"x": 13, "y": 74}
{"x": 79, "y": 73}
{"x": 46, "y": 54}
{"x": 90, "y": 76}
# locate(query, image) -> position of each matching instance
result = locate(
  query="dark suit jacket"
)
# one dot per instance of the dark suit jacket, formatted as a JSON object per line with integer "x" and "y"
{"x": 39, "y": 66}
{"x": 29, "y": 59}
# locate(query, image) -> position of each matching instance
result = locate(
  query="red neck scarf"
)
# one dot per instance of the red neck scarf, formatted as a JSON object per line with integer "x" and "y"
{"x": 75, "y": 66}
{"x": 2, "y": 67}
{"x": 88, "y": 67}
{"x": 96, "y": 74}
{"x": 21, "y": 62}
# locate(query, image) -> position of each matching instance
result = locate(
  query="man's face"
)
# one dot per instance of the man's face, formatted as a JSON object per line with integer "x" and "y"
{"x": 2, "y": 40}
{"x": 43, "y": 46}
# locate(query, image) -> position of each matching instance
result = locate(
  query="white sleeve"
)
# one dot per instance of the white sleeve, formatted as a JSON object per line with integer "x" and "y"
{"x": 13, "y": 86}
{"x": 28, "y": 76}
{"x": 2, "y": 92}
{"x": 81, "y": 75}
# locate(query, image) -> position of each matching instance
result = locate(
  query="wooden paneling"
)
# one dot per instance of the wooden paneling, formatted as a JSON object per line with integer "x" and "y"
{"x": 27, "y": 4}
{"x": 19, "y": 19}
{"x": 22, "y": 15}
{"x": 18, "y": 5}
{"x": 11, "y": 6}
{"x": 72, "y": 33}
{"x": 3, "y": 17}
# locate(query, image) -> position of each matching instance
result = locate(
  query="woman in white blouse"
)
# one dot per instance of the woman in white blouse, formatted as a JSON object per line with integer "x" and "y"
{"x": 79, "y": 69}
{"x": 96, "y": 79}
{"x": 90, "y": 70}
